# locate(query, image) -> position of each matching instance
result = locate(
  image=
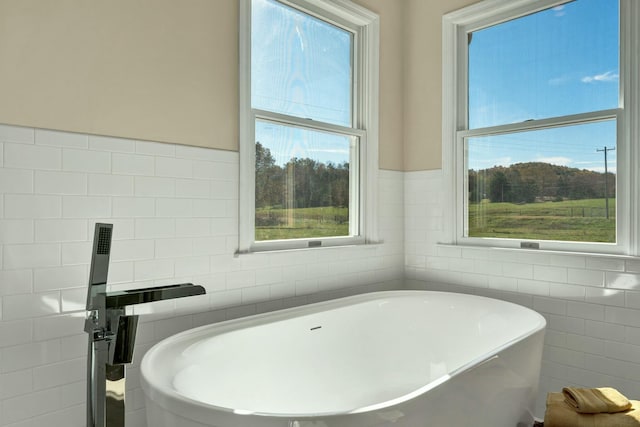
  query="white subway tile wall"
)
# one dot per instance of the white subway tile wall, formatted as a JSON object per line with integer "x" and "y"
{"x": 591, "y": 303}
{"x": 174, "y": 210}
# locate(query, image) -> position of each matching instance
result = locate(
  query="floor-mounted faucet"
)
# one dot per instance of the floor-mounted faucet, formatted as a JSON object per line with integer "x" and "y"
{"x": 112, "y": 333}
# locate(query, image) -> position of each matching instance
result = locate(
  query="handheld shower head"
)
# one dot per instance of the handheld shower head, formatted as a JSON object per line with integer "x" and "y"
{"x": 99, "y": 263}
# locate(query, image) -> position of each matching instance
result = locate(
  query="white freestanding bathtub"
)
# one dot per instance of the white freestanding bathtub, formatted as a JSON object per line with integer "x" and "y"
{"x": 399, "y": 358}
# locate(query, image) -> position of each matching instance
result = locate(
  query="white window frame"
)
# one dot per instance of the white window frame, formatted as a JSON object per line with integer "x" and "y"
{"x": 456, "y": 26}
{"x": 365, "y": 27}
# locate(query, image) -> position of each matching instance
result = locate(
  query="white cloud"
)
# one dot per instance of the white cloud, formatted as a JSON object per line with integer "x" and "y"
{"x": 609, "y": 76}
{"x": 559, "y": 11}
{"x": 558, "y": 160}
{"x": 557, "y": 81}
{"x": 485, "y": 163}
{"x": 601, "y": 169}
{"x": 329, "y": 150}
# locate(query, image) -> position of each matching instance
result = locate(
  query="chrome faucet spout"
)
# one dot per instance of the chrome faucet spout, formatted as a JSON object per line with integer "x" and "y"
{"x": 120, "y": 299}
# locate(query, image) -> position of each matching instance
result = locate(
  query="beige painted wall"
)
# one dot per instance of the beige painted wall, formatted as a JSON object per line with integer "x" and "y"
{"x": 391, "y": 145}
{"x": 423, "y": 81}
{"x": 161, "y": 70}
{"x": 165, "y": 70}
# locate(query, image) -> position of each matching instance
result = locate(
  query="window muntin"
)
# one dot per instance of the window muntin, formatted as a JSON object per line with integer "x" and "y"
{"x": 301, "y": 65}
{"x": 560, "y": 61}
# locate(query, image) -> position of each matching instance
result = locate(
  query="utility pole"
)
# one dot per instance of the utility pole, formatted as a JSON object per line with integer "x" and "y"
{"x": 606, "y": 186}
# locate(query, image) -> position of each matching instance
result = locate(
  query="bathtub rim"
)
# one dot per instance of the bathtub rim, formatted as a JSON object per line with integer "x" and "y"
{"x": 171, "y": 400}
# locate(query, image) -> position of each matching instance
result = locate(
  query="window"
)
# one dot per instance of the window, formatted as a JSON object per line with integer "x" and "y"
{"x": 308, "y": 124}
{"x": 538, "y": 129}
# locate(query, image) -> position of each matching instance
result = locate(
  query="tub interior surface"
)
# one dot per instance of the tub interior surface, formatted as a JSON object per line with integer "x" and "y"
{"x": 307, "y": 361}
{"x": 341, "y": 360}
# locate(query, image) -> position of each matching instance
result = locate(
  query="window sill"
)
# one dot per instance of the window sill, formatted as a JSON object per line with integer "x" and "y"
{"x": 316, "y": 248}
{"x": 542, "y": 251}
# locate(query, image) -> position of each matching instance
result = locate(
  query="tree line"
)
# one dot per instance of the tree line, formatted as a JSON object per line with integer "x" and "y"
{"x": 538, "y": 181}
{"x": 300, "y": 183}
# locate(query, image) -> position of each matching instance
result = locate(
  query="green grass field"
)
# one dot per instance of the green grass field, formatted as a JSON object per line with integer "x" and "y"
{"x": 275, "y": 224}
{"x": 571, "y": 220}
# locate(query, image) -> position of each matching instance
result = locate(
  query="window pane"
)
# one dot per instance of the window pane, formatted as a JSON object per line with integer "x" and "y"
{"x": 551, "y": 184}
{"x": 302, "y": 183}
{"x": 556, "y": 62}
{"x": 301, "y": 66}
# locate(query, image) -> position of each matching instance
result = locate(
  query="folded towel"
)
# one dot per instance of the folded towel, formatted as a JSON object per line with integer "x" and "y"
{"x": 595, "y": 400}
{"x": 560, "y": 414}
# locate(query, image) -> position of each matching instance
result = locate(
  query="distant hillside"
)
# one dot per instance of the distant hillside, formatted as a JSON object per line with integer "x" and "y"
{"x": 537, "y": 181}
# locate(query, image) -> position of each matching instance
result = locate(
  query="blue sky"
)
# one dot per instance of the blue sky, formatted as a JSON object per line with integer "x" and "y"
{"x": 556, "y": 62}
{"x": 560, "y": 61}
{"x": 286, "y": 142}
